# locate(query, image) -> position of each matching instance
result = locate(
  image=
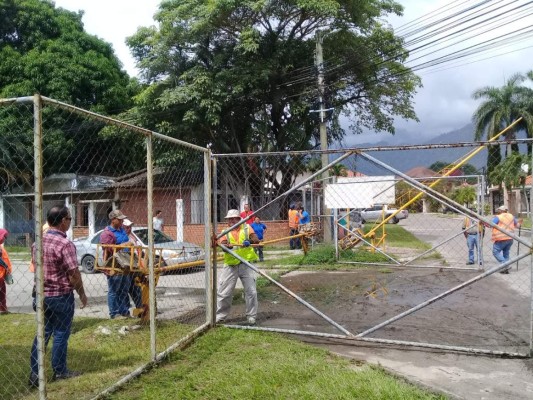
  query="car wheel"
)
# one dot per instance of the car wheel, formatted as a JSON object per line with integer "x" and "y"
{"x": 87, "y": 264}
{"x": 394, "y": 220}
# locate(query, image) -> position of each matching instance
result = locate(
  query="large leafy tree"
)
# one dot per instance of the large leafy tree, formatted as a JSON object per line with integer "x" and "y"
{"x": 45, "y": 50}
{"x": 500, "y": 107}
{"x": 240, "y": 76}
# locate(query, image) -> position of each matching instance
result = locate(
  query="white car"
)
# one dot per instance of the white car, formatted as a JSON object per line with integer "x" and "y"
{"x": 377, "y": 212}
{"x": 173, "y": 252}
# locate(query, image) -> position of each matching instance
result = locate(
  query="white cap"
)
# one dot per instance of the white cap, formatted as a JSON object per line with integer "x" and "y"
{"x": 127, "y": 222}
{"x": 501, "y": 208}
{"x": 233, "y": 214}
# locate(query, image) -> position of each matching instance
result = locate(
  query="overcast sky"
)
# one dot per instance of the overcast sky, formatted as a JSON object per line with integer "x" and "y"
{"x": 444, "y": 103}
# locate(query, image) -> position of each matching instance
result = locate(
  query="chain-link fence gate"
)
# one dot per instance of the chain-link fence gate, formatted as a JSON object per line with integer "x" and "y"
{"x": 404, "y": 273}
{"x": 148, "y": 292}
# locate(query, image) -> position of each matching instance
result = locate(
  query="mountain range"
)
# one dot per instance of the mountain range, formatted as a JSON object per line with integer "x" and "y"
{"x": 404, "y": 160}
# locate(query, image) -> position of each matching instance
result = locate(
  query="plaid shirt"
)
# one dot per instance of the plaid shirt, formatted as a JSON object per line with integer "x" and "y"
{"x": 59, "y": 262}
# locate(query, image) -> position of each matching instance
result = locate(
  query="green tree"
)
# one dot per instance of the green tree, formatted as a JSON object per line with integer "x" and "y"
{"x": 510, "y": 175}
{"x": 465, "y": 195}
{"x": 45, "y": 50}
{"x": 240, "y": 75}
{"x": 502, "y": 106}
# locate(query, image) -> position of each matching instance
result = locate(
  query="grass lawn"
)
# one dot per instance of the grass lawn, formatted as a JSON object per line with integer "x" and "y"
{"x": 222, "y": 364}
{"x": 233, "y": 364}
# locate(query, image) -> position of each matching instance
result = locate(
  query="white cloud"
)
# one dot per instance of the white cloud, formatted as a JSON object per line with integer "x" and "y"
{"x": 114, "y": 21}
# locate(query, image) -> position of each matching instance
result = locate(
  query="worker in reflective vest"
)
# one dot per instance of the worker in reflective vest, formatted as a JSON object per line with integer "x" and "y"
{"x": 294, "y": 221}
{"x": 239, "y": 240}
{"x": 501, "y": 242}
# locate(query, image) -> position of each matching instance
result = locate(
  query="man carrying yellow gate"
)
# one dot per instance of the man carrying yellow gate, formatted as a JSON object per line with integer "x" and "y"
{"x": 241, "y": 237}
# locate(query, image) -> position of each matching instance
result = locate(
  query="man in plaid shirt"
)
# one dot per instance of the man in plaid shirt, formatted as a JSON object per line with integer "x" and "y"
{"x": 61, "y": 278}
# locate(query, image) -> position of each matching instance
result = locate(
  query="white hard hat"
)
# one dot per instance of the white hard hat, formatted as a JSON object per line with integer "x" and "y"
{"x": 233, "y": 214}
{"x": 501, "y": 208}
{"x": 127, "y": 222}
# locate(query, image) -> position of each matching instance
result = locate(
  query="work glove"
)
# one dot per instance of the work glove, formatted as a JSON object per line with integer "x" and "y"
{"x": 246, "y": 243}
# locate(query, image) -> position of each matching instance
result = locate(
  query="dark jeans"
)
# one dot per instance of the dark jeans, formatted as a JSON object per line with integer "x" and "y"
{"x": 135, "y": 294}
{"x": 3, "y": 294}
{"x": 294, "y": 243}
{"x": 259, "y": 252}
{"x": 117, "y": 295}
{"x": 58, "y": 315}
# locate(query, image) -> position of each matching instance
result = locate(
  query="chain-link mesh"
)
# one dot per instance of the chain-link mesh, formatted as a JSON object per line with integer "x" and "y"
{"x": 413, "y": 243}
{"x": 95, "y": 166}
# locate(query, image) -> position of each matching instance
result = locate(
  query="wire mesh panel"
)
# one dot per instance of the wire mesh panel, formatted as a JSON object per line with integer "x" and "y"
{"x": 117, "y": 202}
{"x": 392, "y": 245}
{"x": 16, "y": 210}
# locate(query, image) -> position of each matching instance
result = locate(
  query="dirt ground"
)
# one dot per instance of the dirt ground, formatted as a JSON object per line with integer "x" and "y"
{"x": 487, "y": 315}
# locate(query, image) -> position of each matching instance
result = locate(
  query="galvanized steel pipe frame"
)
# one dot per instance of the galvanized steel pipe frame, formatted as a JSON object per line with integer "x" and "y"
{"x": 461, "y": 349}
{"x": 38, "y": 212}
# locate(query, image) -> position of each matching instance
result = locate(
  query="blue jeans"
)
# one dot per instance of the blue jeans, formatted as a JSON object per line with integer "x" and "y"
{"x": 501, "y": 249}
{"x": 58, "y": 315}
{"x": 118, "y": 300}
{"x": 294, "y": 243}
{"x": 471, "y": 242}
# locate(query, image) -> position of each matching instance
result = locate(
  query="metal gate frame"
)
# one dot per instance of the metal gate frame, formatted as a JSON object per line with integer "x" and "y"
{"x": 424, "y": 190}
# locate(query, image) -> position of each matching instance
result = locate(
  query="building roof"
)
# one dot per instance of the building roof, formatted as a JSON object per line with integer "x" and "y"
{"x": 421, "y": 172}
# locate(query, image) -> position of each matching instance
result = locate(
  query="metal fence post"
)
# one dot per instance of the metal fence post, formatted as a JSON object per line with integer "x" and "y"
{"x": 151, "y": 275}
{"x": 531, "y": 262}
{"x": 38, "y": 212}
{"x": 208, "y": 196}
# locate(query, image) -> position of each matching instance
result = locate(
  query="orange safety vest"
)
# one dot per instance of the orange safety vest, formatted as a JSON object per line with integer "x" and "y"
{"x": 293, "y": 219}
{"x": 506, "y": 221}
{"x": 5, "y": 258}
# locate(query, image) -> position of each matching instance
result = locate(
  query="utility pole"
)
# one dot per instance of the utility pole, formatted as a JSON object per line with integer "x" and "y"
{"x": 323, "y": 133}
{"x": 321, "y": 90}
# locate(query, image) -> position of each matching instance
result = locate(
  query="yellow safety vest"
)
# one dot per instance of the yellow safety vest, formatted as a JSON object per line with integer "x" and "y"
{"x": 247, "y": 253}
{"x": 506, "y": 221}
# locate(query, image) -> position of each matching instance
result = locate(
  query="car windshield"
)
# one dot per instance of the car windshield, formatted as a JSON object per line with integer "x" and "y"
{"x": 159, "y": 237}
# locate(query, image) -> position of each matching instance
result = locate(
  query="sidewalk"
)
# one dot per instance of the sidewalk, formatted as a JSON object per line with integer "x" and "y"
{"x": 458, "y": 376}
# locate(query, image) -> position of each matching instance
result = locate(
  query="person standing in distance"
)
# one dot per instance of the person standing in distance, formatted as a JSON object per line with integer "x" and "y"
{"x": 118, "y": 284}
{"x": 61, "y": 279}
{"x": 473, "y": 231}
{"x": 158, "y": 221}
{"x": 294, "y": 220}
{"x": 243, "y": 236}
{"x": 502, "y": 242}
{"x": 259, "y": 229}
{"x": 246, "y": 214}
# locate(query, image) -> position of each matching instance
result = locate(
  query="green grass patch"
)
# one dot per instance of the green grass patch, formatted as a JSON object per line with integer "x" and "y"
{"x": 396, "y": 236}
{"x": 17, "y": 249}
{"x": 232, "y": 364}
{"x": 103, "y": 359}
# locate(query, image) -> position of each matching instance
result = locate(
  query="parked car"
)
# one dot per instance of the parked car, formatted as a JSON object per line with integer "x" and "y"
{"x": 173, "y": 252}
{"x": 376, "y": 213}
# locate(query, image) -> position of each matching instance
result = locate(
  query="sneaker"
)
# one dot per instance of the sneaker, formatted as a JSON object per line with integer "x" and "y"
{"x": 505, "y": 271}
{"x": 120, "y": 317}
{"x": 251, "y": 321}
{"x": 470, "y": 263}
{"x": 33, "y": 382}
{"x": 66, "y": 375}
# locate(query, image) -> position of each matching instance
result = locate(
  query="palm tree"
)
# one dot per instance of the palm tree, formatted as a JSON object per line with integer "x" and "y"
{"x": 502, "y": 106}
